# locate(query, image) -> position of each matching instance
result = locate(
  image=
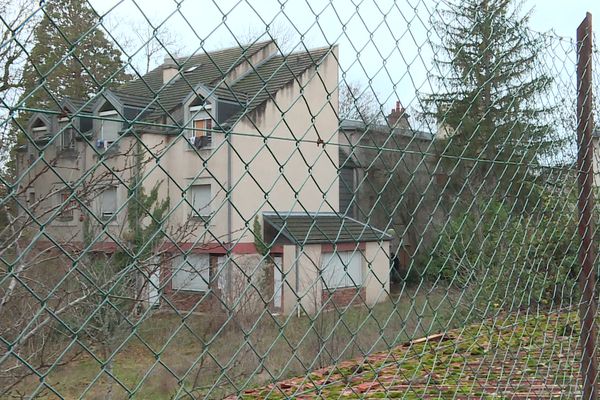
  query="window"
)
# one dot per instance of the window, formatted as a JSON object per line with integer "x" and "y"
{"x": 108, "y": 203}
{"x": 201, "y": 136}
{"x": 67, "y": 137}
{"x": 342, "y": 269}
{"x": 66, "y": 206}
{"x": 39, "y": 131}
{"x": 191, "y": 272}
{"x": 109, "y": 129}
{"x": 200, "y": 198}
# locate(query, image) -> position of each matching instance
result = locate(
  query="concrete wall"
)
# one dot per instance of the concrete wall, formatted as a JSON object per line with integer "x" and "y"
{"x": 49, "y": 176}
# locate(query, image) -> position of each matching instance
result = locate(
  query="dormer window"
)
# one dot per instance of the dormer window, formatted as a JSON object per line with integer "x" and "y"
{"x": 201, "y": 132}
{"x": 39, "y": 130}
{"x": 109, "y": 128}
{"x": 67, "y": 135}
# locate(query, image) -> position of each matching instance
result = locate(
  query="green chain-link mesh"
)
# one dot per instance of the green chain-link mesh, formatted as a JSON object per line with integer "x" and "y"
{"x": 287, "y": 199}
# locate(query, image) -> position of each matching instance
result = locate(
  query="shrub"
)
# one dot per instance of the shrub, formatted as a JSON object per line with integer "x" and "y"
{"x": 508, "y": 257}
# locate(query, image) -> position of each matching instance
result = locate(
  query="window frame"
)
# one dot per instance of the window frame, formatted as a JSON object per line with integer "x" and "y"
{"x": 201, "y": 114}
{"x": 69, "y": 131}
{"x": 39, "y": 132}
{"x": 67, "y": 212}
{"x": 104, "y": 215}
{"x": 113, "y": 114}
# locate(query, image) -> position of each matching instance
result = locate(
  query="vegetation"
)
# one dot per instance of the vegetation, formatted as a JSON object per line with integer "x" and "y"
{"x": 510, "y": 260}
{"x": 491, "y": 96}
{"x": 73, "y": 57}
{"x": 291, "y": 344}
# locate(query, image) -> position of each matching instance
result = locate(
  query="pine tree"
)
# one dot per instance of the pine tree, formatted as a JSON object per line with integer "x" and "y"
{"x": 491, "y": 100}
{"x": 70, "y": 57}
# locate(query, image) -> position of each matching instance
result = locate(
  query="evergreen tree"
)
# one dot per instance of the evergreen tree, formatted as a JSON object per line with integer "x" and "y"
{"x": 70, "y": 56}
{"x": 491, "y": 100}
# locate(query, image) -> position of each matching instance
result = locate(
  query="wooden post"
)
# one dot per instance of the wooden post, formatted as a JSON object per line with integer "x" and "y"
{"x": 587, "y": 250}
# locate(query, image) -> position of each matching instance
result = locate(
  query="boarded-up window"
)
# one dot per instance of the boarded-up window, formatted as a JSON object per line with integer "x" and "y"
{"x": 342, "y": 269}
{"x": 191, "y": 272}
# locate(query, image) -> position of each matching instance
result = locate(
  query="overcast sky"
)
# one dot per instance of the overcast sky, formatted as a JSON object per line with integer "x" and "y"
{"x": 383, "y": 42}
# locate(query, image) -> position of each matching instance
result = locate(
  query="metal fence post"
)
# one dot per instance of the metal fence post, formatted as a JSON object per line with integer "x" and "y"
{"x": 587, "y": 253}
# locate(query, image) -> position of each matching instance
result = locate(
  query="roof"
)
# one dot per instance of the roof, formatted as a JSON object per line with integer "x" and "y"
{"x": 309, "y": 228}
{"x": 356, "y": 125}
{"x": 250, "y": 90}
{"x": 267, "y": 78}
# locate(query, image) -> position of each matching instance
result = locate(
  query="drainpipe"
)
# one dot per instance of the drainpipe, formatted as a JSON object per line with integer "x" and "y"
{"x": 227, "y": 130}
{"x": 297, "y": 280}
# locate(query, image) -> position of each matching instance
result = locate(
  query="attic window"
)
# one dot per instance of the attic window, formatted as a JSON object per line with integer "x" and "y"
{"x": 192, "y": 68}
{"x": 39, "y": 129}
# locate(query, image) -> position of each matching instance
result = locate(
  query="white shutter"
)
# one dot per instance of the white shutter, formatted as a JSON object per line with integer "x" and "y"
{"x": 342, "y": 269}
{"x": 191, "y": 272}
{"x": 108, "y": 205}
{"x": 200, "y": 199}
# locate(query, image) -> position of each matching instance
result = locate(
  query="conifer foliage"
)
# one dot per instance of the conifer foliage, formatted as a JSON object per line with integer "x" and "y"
{"x": 490, "y": 103}
{"x": 71, "y": 56}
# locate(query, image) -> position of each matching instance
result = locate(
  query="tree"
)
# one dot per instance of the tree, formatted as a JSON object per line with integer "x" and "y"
{"x": 490, "y": 101}
{"x": 359, "y": 103}
{"x": 70, "y": 57}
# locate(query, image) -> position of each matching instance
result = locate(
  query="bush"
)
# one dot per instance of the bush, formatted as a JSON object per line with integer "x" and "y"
{"x": 511, "y": 258}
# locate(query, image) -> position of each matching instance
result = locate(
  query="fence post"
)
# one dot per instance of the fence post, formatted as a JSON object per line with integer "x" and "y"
{"x": 587, "y": 253}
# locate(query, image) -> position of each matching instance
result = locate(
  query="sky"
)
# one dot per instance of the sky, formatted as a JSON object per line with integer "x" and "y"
{"x": 383, "y": 44}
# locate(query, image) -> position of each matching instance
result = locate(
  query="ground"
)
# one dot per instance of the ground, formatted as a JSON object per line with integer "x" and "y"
{"x": 518, "y": 355}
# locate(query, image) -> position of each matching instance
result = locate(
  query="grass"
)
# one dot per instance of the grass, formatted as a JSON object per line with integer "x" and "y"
{"x": 201, "y": 356}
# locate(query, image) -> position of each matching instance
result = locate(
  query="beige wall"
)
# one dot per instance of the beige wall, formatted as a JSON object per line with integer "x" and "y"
{"x": 47, "y": 183}
{"x": 309, "y": 169}
{"x": 376, "y": 271}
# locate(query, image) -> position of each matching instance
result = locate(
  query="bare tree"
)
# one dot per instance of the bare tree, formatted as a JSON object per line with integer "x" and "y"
{"x": 17, "y": 20}
{"x": 286, "y": 36}
{"x": 359, "y": 102}
{"x": 97, "y": 295}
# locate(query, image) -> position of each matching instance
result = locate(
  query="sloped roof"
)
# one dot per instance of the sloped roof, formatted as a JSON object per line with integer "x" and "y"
{"x": 309, "y": 228}
{"x": 266, "y": 79}
{"x": 252, "y": 89}
{"x": 210, "y": 67}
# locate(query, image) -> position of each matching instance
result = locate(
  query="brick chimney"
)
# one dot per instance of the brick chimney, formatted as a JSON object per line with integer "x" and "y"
{"x": 396, "y": 114}
{"x": 170, "y": 69}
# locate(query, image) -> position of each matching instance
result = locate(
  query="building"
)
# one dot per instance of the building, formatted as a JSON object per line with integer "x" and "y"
{"x": 388, "y": 181}
{"x": 229, "y": 138}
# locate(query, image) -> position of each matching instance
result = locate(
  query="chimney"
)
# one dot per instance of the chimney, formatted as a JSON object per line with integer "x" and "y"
{"x": 170, "y": 69}
{"x": 396, "y": 114}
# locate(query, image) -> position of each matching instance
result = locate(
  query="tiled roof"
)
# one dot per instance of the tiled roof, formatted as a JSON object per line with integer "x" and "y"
{"x": 266, "y": 79}
{"x": 308, "y": 228}
{"x": 250, "y": 90}
{"x": 210, "y": 68}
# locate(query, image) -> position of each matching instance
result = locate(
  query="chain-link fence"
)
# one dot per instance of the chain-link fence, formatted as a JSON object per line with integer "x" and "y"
{"x": 295, "y": 199}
